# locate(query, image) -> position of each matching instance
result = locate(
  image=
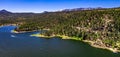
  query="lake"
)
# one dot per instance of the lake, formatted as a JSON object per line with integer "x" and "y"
{"x": 23, "y": 45}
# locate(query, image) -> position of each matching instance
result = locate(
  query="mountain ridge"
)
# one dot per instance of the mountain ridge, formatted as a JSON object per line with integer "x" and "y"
{"x": 73, "y": 9}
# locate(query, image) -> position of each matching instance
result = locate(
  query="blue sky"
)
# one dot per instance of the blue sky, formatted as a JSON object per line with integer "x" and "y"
{"x": 53, "y": 5}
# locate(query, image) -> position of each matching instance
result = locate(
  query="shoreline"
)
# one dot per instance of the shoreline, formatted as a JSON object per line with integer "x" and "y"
{"x": 97, "y": 46}
{"x": 61, "y": 36}
{"x": 14, "y": 31}
{"x": 91, "y": 43}
{"x": 40, "y": 35}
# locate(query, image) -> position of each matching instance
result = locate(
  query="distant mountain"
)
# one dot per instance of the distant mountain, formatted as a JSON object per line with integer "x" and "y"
{"x": 4, "y": 11}
{"x": 80, "y": 9}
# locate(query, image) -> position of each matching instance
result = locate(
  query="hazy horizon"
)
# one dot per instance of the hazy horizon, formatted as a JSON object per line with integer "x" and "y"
{"x": 38, "y": 6}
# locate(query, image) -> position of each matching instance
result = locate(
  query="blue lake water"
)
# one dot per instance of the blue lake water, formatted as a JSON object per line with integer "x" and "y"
{"x": 23, "y": 45}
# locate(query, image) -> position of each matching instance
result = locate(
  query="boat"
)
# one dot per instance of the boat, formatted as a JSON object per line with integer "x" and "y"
{"x": 12, "y": 36}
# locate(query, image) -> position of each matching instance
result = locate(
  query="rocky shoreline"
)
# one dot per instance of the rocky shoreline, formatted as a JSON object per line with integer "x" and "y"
{"x": 102, "y": 46}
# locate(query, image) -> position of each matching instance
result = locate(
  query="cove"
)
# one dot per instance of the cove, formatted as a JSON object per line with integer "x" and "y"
{"x": 23, "y": 45}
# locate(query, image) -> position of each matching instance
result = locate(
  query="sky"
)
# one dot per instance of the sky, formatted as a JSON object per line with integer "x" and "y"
{"x": 38, "y": 6}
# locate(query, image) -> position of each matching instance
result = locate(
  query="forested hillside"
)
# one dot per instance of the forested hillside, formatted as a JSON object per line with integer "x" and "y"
{"x": 101, "y": 26}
